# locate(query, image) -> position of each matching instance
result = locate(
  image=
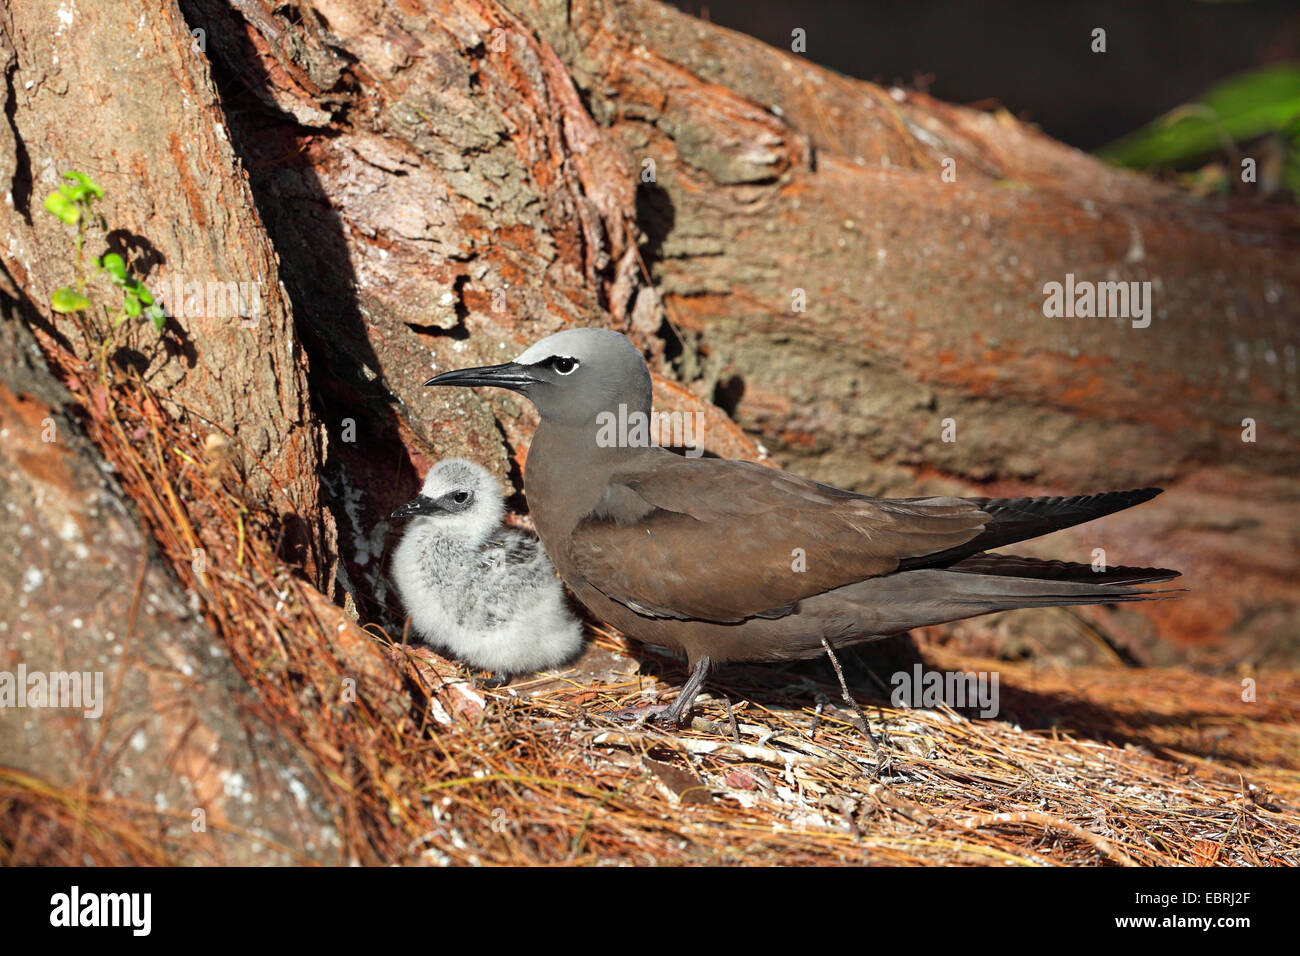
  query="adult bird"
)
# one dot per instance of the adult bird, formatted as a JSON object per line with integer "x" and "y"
{"x": 732, "y": 561}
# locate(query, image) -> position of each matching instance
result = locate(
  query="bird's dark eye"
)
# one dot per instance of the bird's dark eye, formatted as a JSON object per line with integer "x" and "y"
{"x": 564, "y": 365}
{"x": 460, "y": 497}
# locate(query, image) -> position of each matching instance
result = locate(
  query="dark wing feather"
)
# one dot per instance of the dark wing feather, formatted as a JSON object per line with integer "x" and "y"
{"x": 1019, "y": 519}
{"x": 720, "y": 540}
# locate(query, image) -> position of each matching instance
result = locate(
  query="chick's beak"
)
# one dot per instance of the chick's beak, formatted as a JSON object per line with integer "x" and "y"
{"x": 418, "y": 506}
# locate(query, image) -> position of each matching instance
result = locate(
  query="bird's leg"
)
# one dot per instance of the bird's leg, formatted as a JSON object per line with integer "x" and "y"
{"x": 848, "y": 698}
{"x": 676, "y": 715}
{"x": 731, "y": 715}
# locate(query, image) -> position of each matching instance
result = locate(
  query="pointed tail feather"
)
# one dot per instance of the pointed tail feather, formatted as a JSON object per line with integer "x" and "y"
{"x": 1016, "y": 566}
{"x": 900, "y": 602}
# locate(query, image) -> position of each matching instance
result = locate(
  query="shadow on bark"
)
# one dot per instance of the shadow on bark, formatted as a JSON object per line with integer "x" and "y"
{"x": 348, "y": 391}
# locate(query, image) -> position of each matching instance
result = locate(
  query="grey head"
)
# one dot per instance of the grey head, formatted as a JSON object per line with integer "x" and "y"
{"x": 571, "y": 376}
{"x": 458, "y": 499}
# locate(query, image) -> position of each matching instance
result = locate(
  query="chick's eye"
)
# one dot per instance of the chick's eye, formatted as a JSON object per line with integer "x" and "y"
{"x": 460, "y": 497}
{"x": 564, "y": 365}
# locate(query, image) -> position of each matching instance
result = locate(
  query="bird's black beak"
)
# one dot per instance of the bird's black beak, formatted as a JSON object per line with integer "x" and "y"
{"x": 418, "y": 506}
{"x": 512, "y": 375}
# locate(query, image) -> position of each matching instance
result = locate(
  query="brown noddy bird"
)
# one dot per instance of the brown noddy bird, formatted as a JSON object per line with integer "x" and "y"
{"x": 733, "y": 561}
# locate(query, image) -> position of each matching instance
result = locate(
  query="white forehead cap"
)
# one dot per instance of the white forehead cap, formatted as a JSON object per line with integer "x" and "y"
{"x": 579, "y": 344}
{"x": 545, "y": 348}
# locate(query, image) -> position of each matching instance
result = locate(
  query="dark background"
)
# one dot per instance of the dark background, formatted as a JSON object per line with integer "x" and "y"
{"x": 1034, "y": 58}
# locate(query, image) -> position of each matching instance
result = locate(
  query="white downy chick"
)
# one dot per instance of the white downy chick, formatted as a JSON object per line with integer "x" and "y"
{"x": 485, "y": 593}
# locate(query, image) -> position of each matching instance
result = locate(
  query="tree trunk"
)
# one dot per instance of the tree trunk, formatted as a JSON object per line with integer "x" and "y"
{"x": 130, "y": 102}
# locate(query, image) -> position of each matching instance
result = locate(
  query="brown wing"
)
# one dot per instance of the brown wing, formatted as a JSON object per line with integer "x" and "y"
{"x": 721, "y": 540}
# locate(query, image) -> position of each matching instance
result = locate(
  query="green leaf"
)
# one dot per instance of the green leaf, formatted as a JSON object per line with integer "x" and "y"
{"x": 77, "y": 194}
{"x": 85, "y": 185}
{"x": 158, "y": 316}
{"x": 142, "y": 292}
{"x": 62, "y": 207}
{"x": 132, "y": 306}
{"x": 1240, "y": 108}
{"x": 115, "y": 266}
{"x": 66, "y": 299}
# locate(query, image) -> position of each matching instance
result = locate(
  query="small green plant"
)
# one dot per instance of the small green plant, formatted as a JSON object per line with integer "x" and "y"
{"x": 136, "y": 299}
{"x": 1261, "y": 106}
{"x": 73, "y": 203}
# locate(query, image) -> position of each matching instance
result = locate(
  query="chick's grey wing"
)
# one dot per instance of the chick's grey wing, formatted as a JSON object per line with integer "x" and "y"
{"x": 721, "y": 540}
{"x": 512, "y": 564}
{"x": 506, "y": 547}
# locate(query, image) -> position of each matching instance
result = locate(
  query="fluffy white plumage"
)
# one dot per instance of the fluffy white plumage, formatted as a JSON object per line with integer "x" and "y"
{"x": 485, "y": 593}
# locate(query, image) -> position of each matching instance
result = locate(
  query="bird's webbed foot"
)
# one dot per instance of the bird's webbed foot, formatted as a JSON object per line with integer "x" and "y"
{"x": 670, "y": 716}
{"x": 661, "y": 714}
